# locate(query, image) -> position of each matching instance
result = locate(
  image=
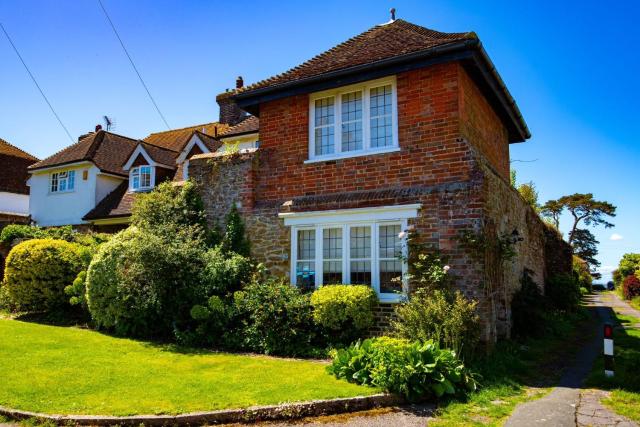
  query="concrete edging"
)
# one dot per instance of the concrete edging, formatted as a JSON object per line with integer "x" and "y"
{"x": 225, "y": 416}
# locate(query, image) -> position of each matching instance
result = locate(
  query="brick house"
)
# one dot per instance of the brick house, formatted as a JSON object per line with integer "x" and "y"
{"x": 400, "y": 127}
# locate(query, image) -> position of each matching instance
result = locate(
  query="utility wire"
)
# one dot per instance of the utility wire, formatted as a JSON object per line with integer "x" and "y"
{"x": 132, "y": 64}
{"x": 36, "y": 83}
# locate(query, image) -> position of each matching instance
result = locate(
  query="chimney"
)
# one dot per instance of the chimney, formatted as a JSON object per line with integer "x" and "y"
{"x": 230, "y": 113}
{"x": 98, "y": 128}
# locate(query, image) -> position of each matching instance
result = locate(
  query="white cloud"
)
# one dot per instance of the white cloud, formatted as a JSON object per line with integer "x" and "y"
{"x": 616, "y": 236}
{"x": 606, "y": 269}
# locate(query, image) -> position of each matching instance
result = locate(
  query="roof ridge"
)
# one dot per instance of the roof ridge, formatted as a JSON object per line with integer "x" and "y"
{"x": 31, "y": 156}
{"x": 183, "y": 128}
{"x": 93, "y": 147}
{"x": 157, "y": 146}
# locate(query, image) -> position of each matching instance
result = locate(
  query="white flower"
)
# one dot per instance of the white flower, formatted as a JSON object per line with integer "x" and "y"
{"x": 402, "y": 235}
{"x": 446, "y": 268}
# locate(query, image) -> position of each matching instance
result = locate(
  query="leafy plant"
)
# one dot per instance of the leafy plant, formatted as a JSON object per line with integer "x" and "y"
{"x": 38, "y": 270}
{"x": 13, "y": 234}
{"x": 442, "y": 316}
{"x": 234, "y": 239}
{"x": 414, "y": 369}
{"x": 273, "y": 317}
{"x": 344, "y": 311}
{"x": 224, "y": 272}
{"x": 563, "y": 292}
{"x": 76, "y": 291}
{"x": 631, "y": 287}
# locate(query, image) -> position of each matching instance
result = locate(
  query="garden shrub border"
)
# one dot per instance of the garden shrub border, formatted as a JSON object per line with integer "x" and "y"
{"x": 287, "y": 411}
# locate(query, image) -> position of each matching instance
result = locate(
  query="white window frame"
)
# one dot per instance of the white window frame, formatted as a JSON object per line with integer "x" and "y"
{"x": 70, "y": 177}
{"x": 337, "y": 93}
{"x": 135, "y": 171}
{"x": 372, "y": 217}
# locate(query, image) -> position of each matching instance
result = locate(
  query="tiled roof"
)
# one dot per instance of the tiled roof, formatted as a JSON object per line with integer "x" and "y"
{"x": 12, "y": 150}
{"x": 13, "y": 168}
{"x": 118, "y": 203}
{"x": 249, "y": 125}
{"x": 381, "y": 42}
{"x": 160, "y": 155}
{"x": 108, "y": 151}
{"x": 176, "y": 139}
{"x": 210, "y": 142}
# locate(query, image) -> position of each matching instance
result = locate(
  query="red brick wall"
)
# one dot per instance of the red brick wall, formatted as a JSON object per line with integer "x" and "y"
{"x": 13, "y": 174}
{"x": 481, "y": 126}
{"x": 428, "y": 128}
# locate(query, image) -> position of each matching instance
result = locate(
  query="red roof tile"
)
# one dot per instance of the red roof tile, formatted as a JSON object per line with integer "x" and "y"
{"x": 249, "y": 125}
{"x": 176, "y": 139}
{"x": 384, "y": 41}
{"x": 11, "y": 150}
{"x": 13, "y": 168}
{"x": 118, "y": 203}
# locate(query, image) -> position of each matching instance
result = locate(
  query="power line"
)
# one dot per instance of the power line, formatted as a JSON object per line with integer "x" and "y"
{"x": 36, "y": 83}
{"x": 132, "y": 64}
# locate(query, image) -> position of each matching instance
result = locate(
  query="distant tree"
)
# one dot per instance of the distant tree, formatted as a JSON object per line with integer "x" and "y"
{"x": 529, "y": 193}
{"x": 629, "y": 264}
{"x": 552, "y": 211}
{"x": 585, "y": 246}
{"x": 585, "y": 209}
{"x": 512, "y": 177}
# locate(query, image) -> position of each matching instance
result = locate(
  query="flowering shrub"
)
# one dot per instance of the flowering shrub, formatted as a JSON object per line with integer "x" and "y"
{"x": 631, "y": 287}
{"x": 415, "y": 370}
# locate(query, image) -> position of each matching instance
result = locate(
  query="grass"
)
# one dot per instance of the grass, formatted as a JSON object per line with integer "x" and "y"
{"x": 68, "y": 370}
{"x": 625, "y": 386}
{"x": 514, "y": 373}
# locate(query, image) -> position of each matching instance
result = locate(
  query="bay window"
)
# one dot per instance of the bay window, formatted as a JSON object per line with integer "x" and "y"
{"x": 62, "y": 182}
{"x": 141, "y": 178}
{"x": 359, "y": 246}
{"x": 354, "y": 120}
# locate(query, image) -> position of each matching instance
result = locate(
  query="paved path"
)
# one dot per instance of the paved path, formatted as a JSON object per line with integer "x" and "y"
{"x": 568, "y": 405}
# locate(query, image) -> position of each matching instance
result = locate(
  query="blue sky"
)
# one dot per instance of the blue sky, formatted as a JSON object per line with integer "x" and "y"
{"x": 572, "y": 66}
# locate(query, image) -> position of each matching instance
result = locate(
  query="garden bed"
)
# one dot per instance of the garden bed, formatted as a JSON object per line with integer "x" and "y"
{"x": 67, "y": 370}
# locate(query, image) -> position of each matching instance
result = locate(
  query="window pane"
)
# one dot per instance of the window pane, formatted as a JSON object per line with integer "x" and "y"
{"x": 360, "y": 273}
{"x": 136, "y": 181}
{"x": 324, "y": 131}
{"x": 72, "y": 180}
{"x": 305, "y": 274}
{"x": 389, "y": 242}
{"x": 332, "y": 256}
{"x": 352, "y": 121}
{"x": 390, "y": 276}
{"x": 360, "y": 242}
{"x": 306, "y": 245}
{"x": 145, "y": 176}
{"x": 62, "y": 184}
{"x": 381, "y": 129}
{"x": 54, "y": 182}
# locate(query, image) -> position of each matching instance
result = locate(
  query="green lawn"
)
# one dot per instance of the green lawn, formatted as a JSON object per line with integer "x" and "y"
{"x": 67, "y": 370}
{"x": 625, "y": 386}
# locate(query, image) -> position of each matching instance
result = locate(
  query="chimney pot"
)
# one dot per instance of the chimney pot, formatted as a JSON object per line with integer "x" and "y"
{"x": 393, "y": 13}
{"x": 98, "y": 127}
{"x": 239, "y": 82}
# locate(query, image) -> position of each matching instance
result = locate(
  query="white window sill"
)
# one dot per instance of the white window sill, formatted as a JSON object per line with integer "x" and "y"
{"x": 55, "y": 193}
{"x": 140, "y": 190}
{"x": 392, "y": 298}
{"x": 351, "y": 154}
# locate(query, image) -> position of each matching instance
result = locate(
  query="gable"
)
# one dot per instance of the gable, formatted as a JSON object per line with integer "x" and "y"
{"x": 140, "y": 160}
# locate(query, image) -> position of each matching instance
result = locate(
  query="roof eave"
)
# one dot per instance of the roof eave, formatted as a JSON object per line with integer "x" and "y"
{"x": 469, "y": 51}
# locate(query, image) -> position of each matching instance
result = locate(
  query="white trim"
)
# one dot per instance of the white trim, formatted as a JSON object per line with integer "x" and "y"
{"x": 382, "y": 213}
{"x": 140, "y": 150}
{"x": 61, "y": 166}
{"x": 195, "y": 140}
{"x": 337, "y": 93}
{"x": 67, "y": 189}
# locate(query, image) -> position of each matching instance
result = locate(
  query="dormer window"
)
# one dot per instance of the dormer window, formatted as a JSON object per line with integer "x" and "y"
{"x": 62, "y": 182}
{"x": 353, "y": 121}
{"x": 141, "y": 178}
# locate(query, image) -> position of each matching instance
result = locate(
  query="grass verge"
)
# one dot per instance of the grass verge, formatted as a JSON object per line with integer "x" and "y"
{"x": 67, "y": 370}
{"x": 515, "y": 373}
{"x": 625, "y": 385}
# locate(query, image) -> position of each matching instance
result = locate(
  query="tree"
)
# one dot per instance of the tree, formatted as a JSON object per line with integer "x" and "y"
{"x": 529, "y": 194}
{"x": 234, "y": 238}
{"x": 585, "y": 246}
{"x": 552, "y": 210}
{"x": 584, "y": 208}
{"x": 629, "y": 264}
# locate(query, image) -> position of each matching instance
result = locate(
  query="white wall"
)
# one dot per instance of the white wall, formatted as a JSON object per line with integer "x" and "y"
{"x": 49, "y": 209}
{"x": 105, "y": 184}
{"x": 14, "y": 203}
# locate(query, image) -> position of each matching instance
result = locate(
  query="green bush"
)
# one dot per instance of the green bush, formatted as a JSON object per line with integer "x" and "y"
{"x": 234, "y": 239}
{"x": 273, "y": 318}
{"x": 224, "y": 272}
{"x": 13, "y": 234}
{"x": 413, "y": 369}
{"x": 344, "y": 311}
{"x": 77, "y": 290}
{"x": 38, "y": 270}
{"x": 444, "y": 317}
{"x": 140, "y": 284}
{"x": 211, "y": 324}
{"x": 528, "y": 309}
{"x": 563, "y": 292}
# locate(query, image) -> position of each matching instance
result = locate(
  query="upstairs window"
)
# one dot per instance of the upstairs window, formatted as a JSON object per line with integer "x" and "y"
{"x": 141, "y": 178}
{"x": 354, "y": 120}
{"x": 62, "y": 182}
